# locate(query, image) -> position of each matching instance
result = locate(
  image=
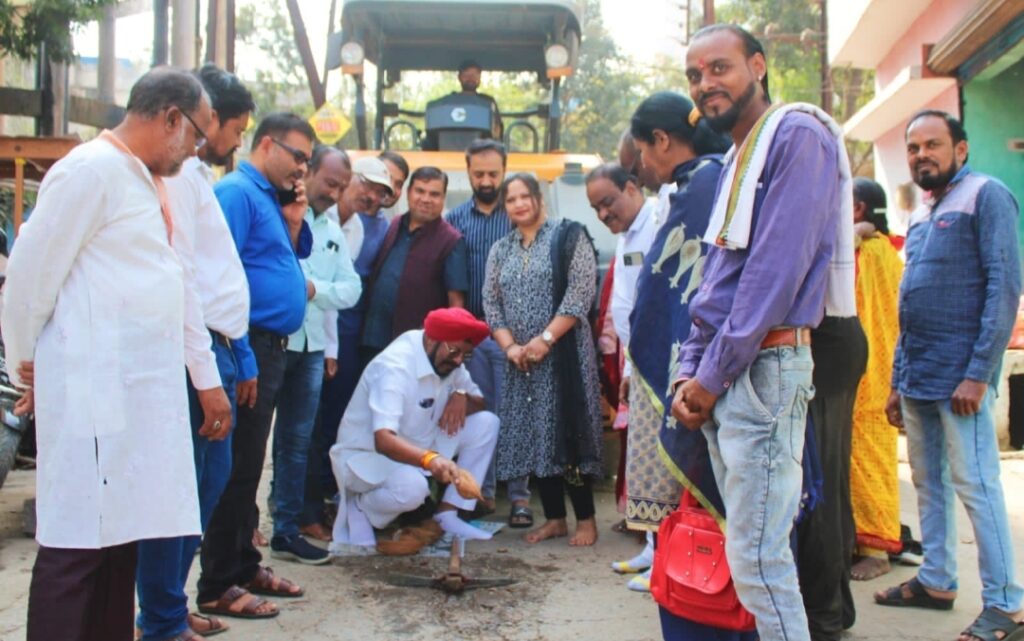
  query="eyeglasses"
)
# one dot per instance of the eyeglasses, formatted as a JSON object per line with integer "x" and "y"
{"x": 200, "y": 134}
{"x": 454, "y": 352}
{"x": 299, "y": 155}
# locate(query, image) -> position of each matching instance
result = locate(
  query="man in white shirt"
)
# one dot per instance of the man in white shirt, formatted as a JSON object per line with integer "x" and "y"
{"x": 95, "y": 298}
{"x": 334, "y": 285}
{"x": 218, "y": 313}
{"x": 414, "y": 410}
{"x": 619, "y": 201}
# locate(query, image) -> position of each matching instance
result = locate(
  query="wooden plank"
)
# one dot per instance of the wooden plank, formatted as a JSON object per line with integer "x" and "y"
{"x": 88, "y": 111}
{"x": 21, "y": 102}
{"x": 12, "y": 147}
{"x": 19, "y": 194}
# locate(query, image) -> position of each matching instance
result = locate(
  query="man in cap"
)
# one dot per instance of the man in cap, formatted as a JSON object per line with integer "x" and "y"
{"x": 414, "y": 410}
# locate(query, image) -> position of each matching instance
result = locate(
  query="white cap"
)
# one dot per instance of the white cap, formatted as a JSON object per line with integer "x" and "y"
{"x": 374, "y": 170}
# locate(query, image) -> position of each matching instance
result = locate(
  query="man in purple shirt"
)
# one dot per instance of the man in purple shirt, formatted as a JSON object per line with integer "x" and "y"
{"x": 746, "y": 369}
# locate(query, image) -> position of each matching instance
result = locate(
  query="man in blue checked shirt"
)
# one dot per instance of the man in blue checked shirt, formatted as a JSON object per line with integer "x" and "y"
{"x": 335, "y": 285}
{"x": 958, "y": 301}
{"x": 264, "y": 202}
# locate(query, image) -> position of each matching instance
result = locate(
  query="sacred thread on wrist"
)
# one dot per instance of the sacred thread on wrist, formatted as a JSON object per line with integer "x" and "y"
{"x": 427, "y": 457}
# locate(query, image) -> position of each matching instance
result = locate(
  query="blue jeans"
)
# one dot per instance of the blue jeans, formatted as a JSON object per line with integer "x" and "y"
{"x": 756, "y": 443}
{"x": 488, "y": 372}
{"x": 297, "y": 404}
{"x": 949, "y": 452}
{"x": 164, "y": 564}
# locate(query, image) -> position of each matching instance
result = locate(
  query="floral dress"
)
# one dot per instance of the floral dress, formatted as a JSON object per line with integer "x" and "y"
{"x": 518, "y": 297}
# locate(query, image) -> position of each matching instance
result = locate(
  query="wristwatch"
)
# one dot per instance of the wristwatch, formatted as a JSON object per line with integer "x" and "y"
{"x": 548, "y": 338}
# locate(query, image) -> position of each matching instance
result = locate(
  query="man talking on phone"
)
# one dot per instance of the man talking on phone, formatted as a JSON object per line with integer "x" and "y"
{"x": 264, "y": 202}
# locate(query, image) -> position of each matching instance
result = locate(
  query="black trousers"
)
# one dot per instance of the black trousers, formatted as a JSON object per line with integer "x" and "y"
{"x": 552, "y": 491}
{"x": 826, "y": 538}
{"x": 83, "y": 595}
{"x": 228, "y": 556}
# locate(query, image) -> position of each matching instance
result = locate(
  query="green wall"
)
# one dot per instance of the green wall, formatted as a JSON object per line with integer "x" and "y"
{"x": 992, "y": 115}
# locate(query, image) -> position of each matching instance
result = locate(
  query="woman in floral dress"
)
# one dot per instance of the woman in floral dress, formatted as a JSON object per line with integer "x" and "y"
{"x": 538, "y": 295}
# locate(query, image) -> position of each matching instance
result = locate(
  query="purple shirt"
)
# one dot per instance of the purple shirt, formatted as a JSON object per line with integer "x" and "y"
{"x": 779, "y": 280}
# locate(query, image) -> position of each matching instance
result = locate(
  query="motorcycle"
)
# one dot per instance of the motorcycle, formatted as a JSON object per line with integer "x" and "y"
{"x": 12, "y": 428}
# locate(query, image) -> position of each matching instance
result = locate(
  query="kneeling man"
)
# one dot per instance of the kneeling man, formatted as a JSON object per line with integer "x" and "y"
{"x": 414, "y": 410}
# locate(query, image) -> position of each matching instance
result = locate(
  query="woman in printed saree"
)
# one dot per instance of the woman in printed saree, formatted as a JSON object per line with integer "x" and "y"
{"x": 874, "y": 486}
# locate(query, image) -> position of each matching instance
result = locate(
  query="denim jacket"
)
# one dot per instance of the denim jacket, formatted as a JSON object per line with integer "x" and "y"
{"x": 960, "y": 289}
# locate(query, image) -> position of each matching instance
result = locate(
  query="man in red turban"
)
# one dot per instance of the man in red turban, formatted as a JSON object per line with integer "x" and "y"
{"x": 414, "y": 410}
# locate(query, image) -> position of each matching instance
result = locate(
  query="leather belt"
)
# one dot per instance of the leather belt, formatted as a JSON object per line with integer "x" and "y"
{"x": 220, "y": 338}
{"x": 276, "y": 339}
{"x": 786, "y": 337}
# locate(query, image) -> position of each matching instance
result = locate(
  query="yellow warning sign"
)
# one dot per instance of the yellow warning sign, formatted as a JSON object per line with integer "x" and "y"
{"x": 329, "y": 124}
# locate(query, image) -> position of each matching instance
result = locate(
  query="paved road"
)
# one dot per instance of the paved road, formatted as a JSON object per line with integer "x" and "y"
{"x": 563, "y": 593}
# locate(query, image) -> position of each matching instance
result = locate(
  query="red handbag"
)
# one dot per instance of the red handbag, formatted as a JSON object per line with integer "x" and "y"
{"x": 690, "y": 577}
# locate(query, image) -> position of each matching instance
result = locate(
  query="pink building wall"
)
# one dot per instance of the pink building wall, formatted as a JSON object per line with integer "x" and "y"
{"x": 931, "y": 26}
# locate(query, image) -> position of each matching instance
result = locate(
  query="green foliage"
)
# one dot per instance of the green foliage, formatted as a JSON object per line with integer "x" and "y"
{"x": 47, "y": 22}
{"x": 283, "y": 86}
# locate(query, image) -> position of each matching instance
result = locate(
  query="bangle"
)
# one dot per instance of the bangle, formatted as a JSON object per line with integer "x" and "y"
{"x": 509, "y": 348}
{"x": 427, "y": 457}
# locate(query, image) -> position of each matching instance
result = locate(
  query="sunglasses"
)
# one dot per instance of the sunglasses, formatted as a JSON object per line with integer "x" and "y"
{"x": 299, "y": 155}
{"x": 200, "y": 134}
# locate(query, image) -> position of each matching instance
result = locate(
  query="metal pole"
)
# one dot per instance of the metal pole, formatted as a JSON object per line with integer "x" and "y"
{"x": 183, "y": 43}
{"x": 709, "y": 12}
{"x": 19, "y": 193}
{"x": 160, "y": 29}
{"x": 212, "y": 16}
{"x": 229, "y": 37}
{"x": 107, "y": 72}
{"x": 555, "y": 116}
{"x": 826, "y": 72}
{"x": 360, "y": 112}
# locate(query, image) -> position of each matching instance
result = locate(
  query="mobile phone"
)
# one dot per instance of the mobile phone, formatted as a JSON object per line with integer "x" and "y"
{"x": 287, "y": 196}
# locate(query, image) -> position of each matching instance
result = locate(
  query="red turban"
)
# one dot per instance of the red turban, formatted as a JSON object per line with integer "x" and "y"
{"x": 455, "y": 324}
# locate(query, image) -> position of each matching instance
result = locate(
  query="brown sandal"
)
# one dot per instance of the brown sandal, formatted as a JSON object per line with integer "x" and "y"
{"x": 239, "y": 603}
{"x": 267, "y": 584}
{"x": 210, "y": 626}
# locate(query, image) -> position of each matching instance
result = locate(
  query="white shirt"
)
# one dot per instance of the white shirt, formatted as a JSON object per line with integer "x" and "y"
{"x": 335, "y": 280}
{"x": 353, "y": 231}
{"x": 400, "y": 391}
{"x": 630, "y": 251}
{"x": 215, "y": 284}
{"x": 95, "y": 297}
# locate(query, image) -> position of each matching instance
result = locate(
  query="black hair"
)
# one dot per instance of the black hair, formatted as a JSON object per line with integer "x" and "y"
{"x": 427, "y": 174}
{"x": 751, "y": 45}
{"x": 613, "y": 172}
{"x": 956, "y": 128}
{"x": 532, "y": 186}
{"x": 670, "y": 112}
{"x": 872, "y": 195}
{"x": 164, "y": 87}
{"x": 397, "y": 160}
{"x": 228, "y": 96}
{"x": 322, "y": 151}
{"x": 480, "y": 145}
{"x": 469, "y": 64}
{"x": 279, "y": 124}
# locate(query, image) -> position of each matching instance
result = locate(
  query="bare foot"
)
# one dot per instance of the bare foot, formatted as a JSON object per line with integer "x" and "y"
{"x": 316, "y": 531}
{"x": 586, "y": 533}
{"x": 869, "y": 567}
{"x": 202, "y": 624}
{"x": 258, "y": 540}
{"x": 551, "y": 529}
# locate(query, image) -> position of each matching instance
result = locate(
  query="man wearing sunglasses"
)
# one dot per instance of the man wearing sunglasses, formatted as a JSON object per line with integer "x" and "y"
{"x": 264, "y": 202}
{"x": 414, "y": 410}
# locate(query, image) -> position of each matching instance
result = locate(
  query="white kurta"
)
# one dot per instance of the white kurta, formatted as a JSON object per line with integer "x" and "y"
{"x": 95, "y": 297}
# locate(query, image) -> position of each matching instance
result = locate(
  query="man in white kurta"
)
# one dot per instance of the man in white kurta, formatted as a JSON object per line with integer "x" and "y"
{"x": 414, "y": 410}
{"x": 95, "y": 299}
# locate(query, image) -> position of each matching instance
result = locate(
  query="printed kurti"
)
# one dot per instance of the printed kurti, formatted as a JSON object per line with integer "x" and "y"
{"x": 518, "y": 297}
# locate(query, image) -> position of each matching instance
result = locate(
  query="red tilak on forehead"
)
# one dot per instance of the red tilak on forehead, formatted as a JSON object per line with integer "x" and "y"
{"x": 700, "y": 64}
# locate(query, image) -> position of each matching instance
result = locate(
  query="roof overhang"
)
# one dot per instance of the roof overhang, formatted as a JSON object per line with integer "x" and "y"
{"x": 983, "y": 27}
{"x": 910, "y": 91}
{"x": 863, "y": 32}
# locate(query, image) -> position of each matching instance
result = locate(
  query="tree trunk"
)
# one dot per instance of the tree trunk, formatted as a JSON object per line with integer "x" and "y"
{"x": 316, "y": 87}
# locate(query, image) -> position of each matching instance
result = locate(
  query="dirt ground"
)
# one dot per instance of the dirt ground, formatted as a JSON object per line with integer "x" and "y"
{"x": 562, "y": 593}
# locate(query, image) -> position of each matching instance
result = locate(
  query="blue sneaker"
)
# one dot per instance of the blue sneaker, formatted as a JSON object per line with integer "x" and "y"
{"x": 297, "y": 548}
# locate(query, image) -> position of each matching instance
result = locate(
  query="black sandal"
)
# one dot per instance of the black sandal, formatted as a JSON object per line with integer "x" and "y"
{"x": 520, "y": 517}
{"x": 919, "y": 597}
{"x": 991, "y": 621}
